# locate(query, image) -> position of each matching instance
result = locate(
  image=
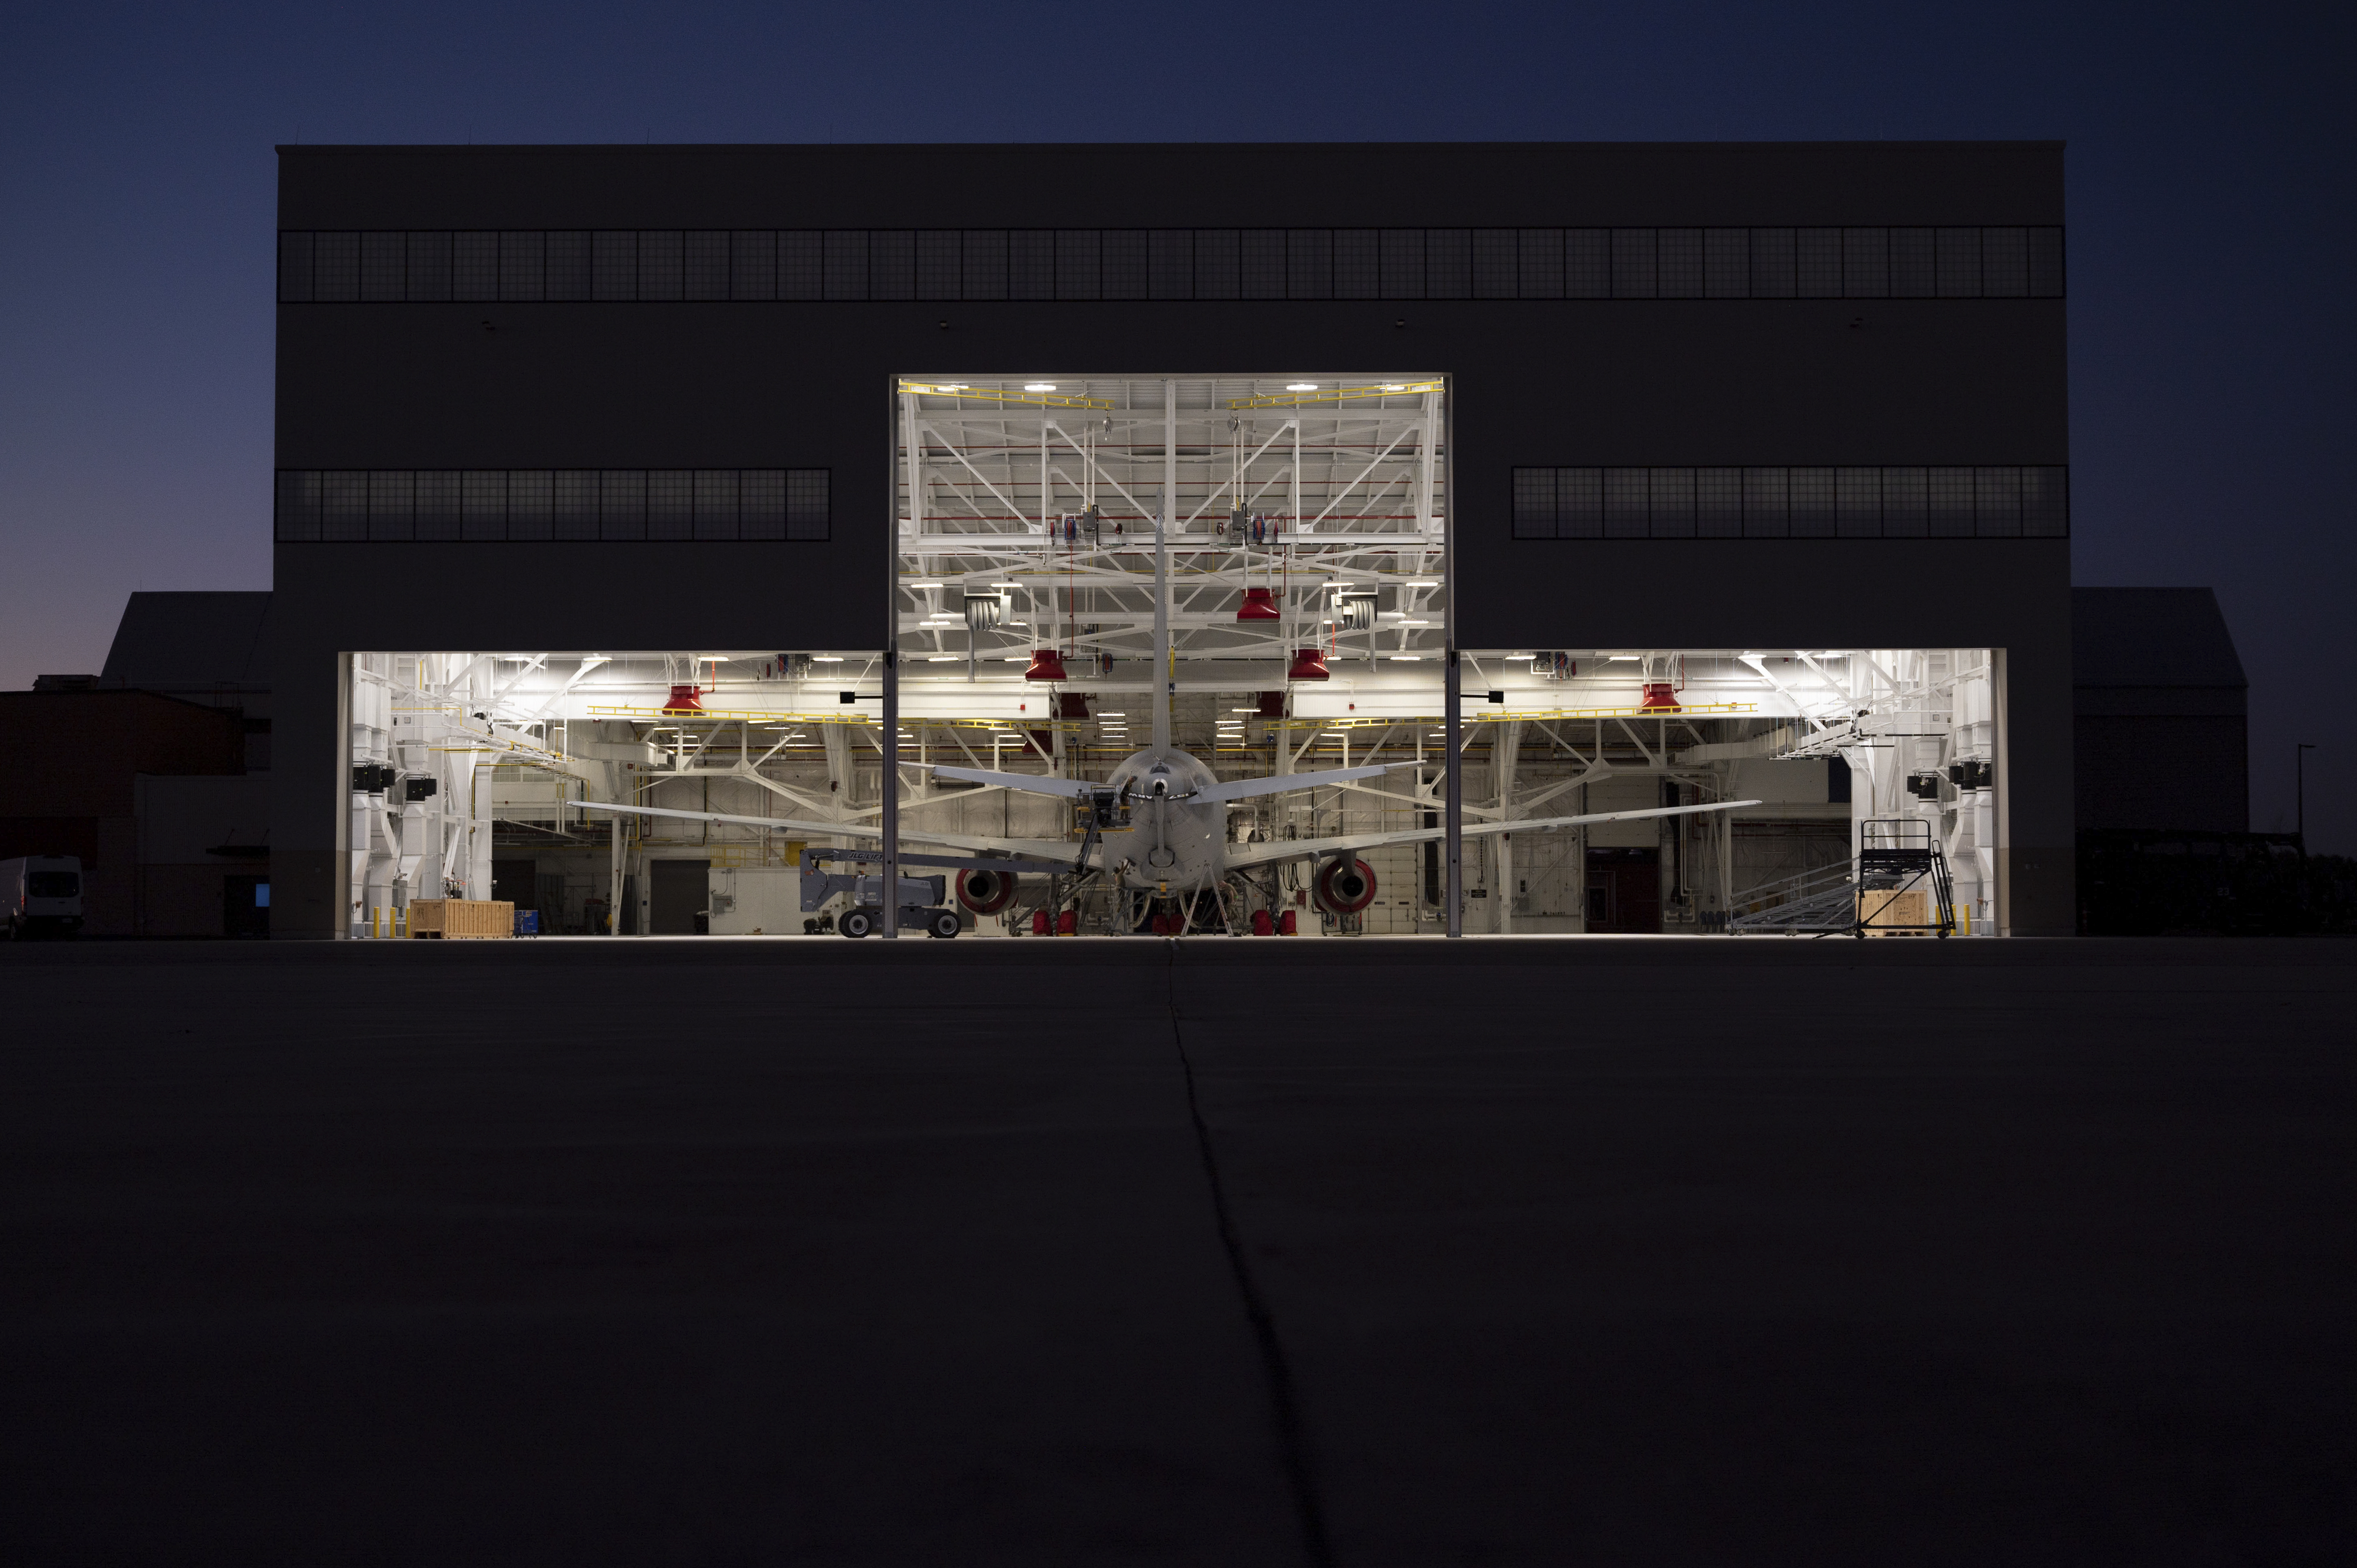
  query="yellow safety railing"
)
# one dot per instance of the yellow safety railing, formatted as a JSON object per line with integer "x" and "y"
{"x": 992, "y": 394}
{"x": 1338, "y": 394}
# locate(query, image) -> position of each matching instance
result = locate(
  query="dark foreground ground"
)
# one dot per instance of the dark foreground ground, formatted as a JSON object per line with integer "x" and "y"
{"x": 1503, "y": 1252}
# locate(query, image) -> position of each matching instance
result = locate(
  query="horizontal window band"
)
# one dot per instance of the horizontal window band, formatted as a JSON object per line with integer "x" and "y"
{"x": 946, "y": 265}
{"x": 552, "y": 505}
{"x": 1903, "y": 501}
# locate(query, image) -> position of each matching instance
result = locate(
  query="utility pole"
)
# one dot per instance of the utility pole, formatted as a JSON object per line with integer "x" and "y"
{"x": 2299, "y": 790}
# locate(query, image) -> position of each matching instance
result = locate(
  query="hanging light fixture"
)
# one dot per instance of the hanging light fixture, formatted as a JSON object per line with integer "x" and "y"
{"x": 684, "y": 699}
{"x": 1309, "y": 664}
{"x": 1260, "y": 604}
{"x": 1047, "y": 664}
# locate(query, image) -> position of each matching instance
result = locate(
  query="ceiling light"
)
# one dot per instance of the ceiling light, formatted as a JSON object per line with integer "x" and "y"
{"x": 941, "y": 659}
{"x": 1244, "y": 710}
{"x": 1038, "y": 386}
{"x": 1406, "y": 658}
{"x": 951, "y": 386}
{"x": 1620, "y": 659}
{"x": 1395, "y": 386}
{"x": 1415, "y": 623}
{"x": 924, "y": 585}
{"x": 1006, "y": 585}
{"x": 826, "y": 658}
{"x": 1422, "y": 585}
{"x": 1301, "y": 386}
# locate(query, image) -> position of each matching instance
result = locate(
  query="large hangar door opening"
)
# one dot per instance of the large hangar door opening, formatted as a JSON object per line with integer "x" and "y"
{"x": 1853, "y": 762}
{"x": 1304, "y": 522}
{"x": 668, "y": 792}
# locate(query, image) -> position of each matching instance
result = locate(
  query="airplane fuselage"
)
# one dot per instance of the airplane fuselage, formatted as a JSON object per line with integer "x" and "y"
{"x": 1174, "y": 845}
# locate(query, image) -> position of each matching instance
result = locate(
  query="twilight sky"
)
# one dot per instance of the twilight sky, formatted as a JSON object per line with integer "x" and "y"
{"x": 2212, "y": 266}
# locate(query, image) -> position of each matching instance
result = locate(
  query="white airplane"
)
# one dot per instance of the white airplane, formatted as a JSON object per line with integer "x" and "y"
{"x": 1176, "y": 808}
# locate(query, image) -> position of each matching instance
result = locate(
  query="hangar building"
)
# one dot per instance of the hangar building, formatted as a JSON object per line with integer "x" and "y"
{"x": 752, "y": 483}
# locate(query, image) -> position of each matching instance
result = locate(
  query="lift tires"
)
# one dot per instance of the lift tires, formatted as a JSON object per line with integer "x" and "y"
{"x": 942, "y": 923}
{"x": 857, "y": 922}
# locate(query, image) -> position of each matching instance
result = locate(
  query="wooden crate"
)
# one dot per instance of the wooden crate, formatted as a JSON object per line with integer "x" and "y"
{"x": 462, "y": 918}
{"x": 1879, "y": 907}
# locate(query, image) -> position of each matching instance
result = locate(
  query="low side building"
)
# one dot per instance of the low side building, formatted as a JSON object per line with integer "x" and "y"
{"x": 2161, "y": 711}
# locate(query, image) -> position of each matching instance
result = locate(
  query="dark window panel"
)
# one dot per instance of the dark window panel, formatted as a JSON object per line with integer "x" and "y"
{"x": 2005, "y": 264}
{"x": 1579, "y": 503}
{"x": 1906, "y": 502}
{"x": 392, "y": 504}
{"x": 1767, "y": 509}
{"x": 483, "y": 503}
{"x": 892, "y": 264}
{"x": 1627, "y": 504}
{"x": 343, "y": 506}
{"x": 430, "y": 259}
{"x": 983, "y": 263}
{"x": 622, "y": 503}
{"x": 523, "y": 258}
{"x": 385, "y": 265}
{"x": 1534, "y": 510}
{"x": 1771, "y": 266}
{"x": 1718, "y": 501}
{"x": 670, "y": 503}
{"x": 806, "y": 503}
{"x": 939, "y": 276}
{"x": 439, "y": 514}
{"x": 1857, "y": 503}
{"x": 336, "y": 266}
{"x": 1812, "y": 502}
{"x": 568, "y": 263}
{"x": 1402, "y": 264}
{"x": 802, "y": 265}
{"x": 2046, "y": 502}
{"x": 298, "y": 504}
{"x": 475, "y": 264}
{"x": 1673, "y": 493}
{"x": 703, "y": 263}
{"x": 614, "y": 265}
{"x": 715, "y": 503}
{"x": 1358, "y": 272}
{"x": 1448, "y": 264}
{"x": 1913, "y": 274}
{"x": 575, "y": 503}
{"x": 1080, "y": 263}
{"x": 2046, "y": 263}
{"x": 1170, "y": 265}
{"x": 1123, "y": 263}
{"x": 1264, "y": 264}
{"x": 847, "y": 265}
{"x": 663, "y": 263}
{"x": 1634, "y": 274}
{"x": 1866, "y": 263}
{"x": 1219, "y": 263}
{"x": 752, "y": 263}
{"x": 1031, "y": 263}
{"x": 532, "y": 510}
{"x": 1960, "y": 263}
{"x": 1817, "y": 275}
{"x": 1538, "y": 264}
{"x": 1949, "y": 509}
{"x": 1309, "y": 263}
{"x": 1587, "y": 263}
{"x": 1679, "y": 257}
{"x": 1997, "y": 503}
{"x": 295, "y": 269}
{"x": 1726, "y": 264}
{"x": 762, "y": 502}
{"x": 1495, "y": 268}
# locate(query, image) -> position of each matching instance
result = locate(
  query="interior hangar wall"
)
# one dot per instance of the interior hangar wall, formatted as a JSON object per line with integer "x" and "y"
{"x": 741, "y": 383}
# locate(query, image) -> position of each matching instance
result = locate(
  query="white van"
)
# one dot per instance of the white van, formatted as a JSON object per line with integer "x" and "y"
{"x": 40, "y": 895}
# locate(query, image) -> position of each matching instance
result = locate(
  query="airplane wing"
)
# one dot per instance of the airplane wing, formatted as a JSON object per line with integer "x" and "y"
{"x": 1244, "y": 855}
{"x": 1028, "y": 783}
{"x": 1245, "y": 788}
{"x": 1044, "y": 849}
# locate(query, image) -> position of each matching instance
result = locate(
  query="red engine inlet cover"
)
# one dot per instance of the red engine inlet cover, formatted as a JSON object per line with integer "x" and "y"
{"x": 985, "y": 891}
{"x": 1346, "y": 887}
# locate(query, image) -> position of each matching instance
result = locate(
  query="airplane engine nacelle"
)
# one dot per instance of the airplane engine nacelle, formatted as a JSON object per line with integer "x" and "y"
{"x": 1346, "y": 887}
{"x": 986, "y": 891}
